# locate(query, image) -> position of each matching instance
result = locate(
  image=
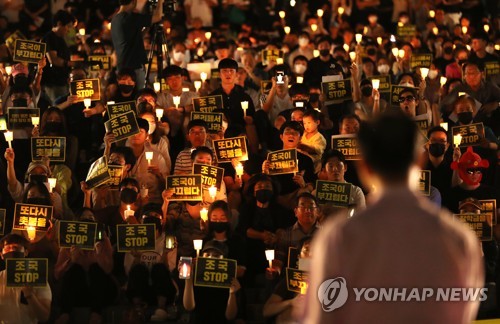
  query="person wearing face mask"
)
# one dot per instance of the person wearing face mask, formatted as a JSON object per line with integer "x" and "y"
{"x": 126, "y": 83}
{"x": 304, "y": 49}
{"x": 374, "y": 28}
{"x": 300, "y": 65}
{"x": 278, "y": 99}
{"x": 446, "y": 58}
{"x": 21, "y": 304}
{"x": 179, "y": 55}
{"x": 260, "y": 217}
{"x": 432, "y": 86}
{"x": 369, "y": 103}
{"x": 20, "y": 79}
{"x": 454, "y": 69}
{"x": 155, "y": 139}
{"x": 318, "y": 66}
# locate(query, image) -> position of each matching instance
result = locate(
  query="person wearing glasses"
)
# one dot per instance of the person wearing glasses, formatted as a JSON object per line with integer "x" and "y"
{"x": 197, "y": 136}
{"x": 408, "y": 102}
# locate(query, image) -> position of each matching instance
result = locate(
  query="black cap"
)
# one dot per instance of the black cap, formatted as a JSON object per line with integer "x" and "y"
{"x": 228, "y": 63}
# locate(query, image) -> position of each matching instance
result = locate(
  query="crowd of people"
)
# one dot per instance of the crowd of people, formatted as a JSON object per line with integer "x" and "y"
{"x": 273, "y": 64}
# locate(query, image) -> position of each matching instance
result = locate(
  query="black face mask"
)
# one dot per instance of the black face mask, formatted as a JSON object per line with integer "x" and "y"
{"x": 126, "y": 88}
{"x": 371, "y": 51}
{"x": 219, "y": 227}
{"x": 436, "y": 149}
{"x": 128, "y": 196}
{"x": 448, "y": 50}
{"x": 53, "y": 127}
{"x": 314, "y": 97}
{"x": 263, "y": 195}
{"x": 465, "y": 117}
{"x": 324, "y": 52}
{"x": 39, "y": 201}
{"x": 14, "y": 255}
{"x": 21, "y": 80}
{"x": 21, "y": 102}
{"x": 367, "y": 91}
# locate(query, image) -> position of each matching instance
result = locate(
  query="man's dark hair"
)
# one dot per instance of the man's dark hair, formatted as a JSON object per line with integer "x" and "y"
{"x": 473, "y": 62}
{"x": 12, "y": 238}
{"x": 127, "y": 154}
{"x": 330, "y": 154}
{"x": 388, "y": 145}
{"x": 147, "y": 91}
{"x": 126, "y": 72}
{"x": 306, "y": 195}
{"x": 296, "y": 126}
{"x": 62, "y": 17}
{"x": 300, "y": 58}
{"x": 436, "y": 129}
{"x": 202, "y": 149}
{"x": 349, "y": 116}
{"x": 197, "y": 122}
{"x": 172, "y": 70}
{"x": 129, "y": 182}
{"x": 313, "y": 113}
{"x": 228, "y": 63}
{"x": 298, "y": 88}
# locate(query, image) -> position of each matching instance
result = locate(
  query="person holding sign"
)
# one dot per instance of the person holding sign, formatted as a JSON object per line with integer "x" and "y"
{"x": 278, "y": 99}
{"x": 197, "y": 136}
{"x": 338, "y": 245}
{"x": 26, "y": 304}
{"x": 174, "y": 77}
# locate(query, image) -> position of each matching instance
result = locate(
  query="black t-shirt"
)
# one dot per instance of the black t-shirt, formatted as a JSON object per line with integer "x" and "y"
{"x": 56, "y": 75}
{"x": 286, "y": 180}
{"x": 441, "y": 177}
{"x": 457, "y": 194}
{"x": 316, "y": 68}
{"x": 232, "y": 104}
{"x": 126, "y": 33}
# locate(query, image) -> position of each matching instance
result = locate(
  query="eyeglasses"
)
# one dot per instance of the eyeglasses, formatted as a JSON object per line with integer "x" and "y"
{"x": 307, "y": 208}
{"x": 472, "y": 171}
{"x": 407, "y": 98}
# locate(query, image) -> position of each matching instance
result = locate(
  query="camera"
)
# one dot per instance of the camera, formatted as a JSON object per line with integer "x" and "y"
{"x": 169, "y": 6}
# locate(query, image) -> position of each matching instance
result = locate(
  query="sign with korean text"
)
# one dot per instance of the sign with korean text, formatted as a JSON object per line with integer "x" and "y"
{"x": 28, "y": 51}
{"x": 293, "y": 257}
{"x": 99, "y": 62}
{"x": 116, "y": 175}
{"x": 333, "y": 193}
{"x": 47, "y": 146}
{"x": 10, "y": 41}
{"x": 136, "y": 237}
{"x": 489, "y": 207}
{"x": 36, "y": 216}
{"x": 214, "y": 74}
{"x": 208, "y": 104}
{"x": 472, "y": 134}
{"x": 186, "y": 187}
{"x": 98, "y": 173}
{"x": 283, "y": 162}
{"x": 481, "y": 224}
{"x": 79, "y": 234}
{"x": 231, "y": 148}
{"x": 407, "y": 31}
{"x": 271, "y": 55}
{"x": 216, "y": 273}
{"x": 120, "y": 108}
{"x": 213, "y": 120}
{"x": 491, "y": 68}
{"x": 348, "y": 145}
{"x": 396, "y": 90}
{"x": 210, "y": 175}
{"x": 422, "y": 123}
{"x": 265, "y": 86}
{"x": 385, "y": 82}
{"x": 296, "y": 280}
{"x": 122, "y": 126}
{"x": 31, "y": 272}
{"x": 2, "y": 221}
{"x": 87, "y": 88}
{"x": 339, "y": 90}
{"x": 420, "y": 61}
{"x": 424, "y": 182}
{"x": 20, "y": 117}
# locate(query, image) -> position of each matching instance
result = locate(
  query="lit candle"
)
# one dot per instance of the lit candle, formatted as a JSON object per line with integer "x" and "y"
{"x": 443, "y": 80}
{"x": 468, "y": 47}
{"x": 400, "y": 24}
{"x": 9, "y": 136}
{"x": 149, "y": 157}
{"x": 286, "y": 29}
{"x": 35, "y": 121}
{"x": 435, "y": 30}
{"x": 203, "y": 76}
{"x": 81, "y": 31}
{"x": 352, "y": 55}
{"x": 169, "y": 242}
{"x": 300, "y": 79}
{"x": 461, "y": 94}
{"x": 52, "y": 184}
{"x": 359, "y": 37}
{"x": 444, "y": 125}
{"x": 346, "y": 47}
{"x": 177, "y": 101}
{"x": 395, "y": 51}
{"x": 159, "y": 113}
{"x": 279, "y": 61}
{"x": 212, "y": 191}
{"x": 185, "y": 89}
{"x": 303, "y": 289}
{"x": 157, "y": 86}
{"x": 432, "y": 13}
{"x": 314, "y": 27}
{"x": 270, "y": 257}
{"x": 239, "y": 170}
{"x": 197, "y": 246}
{"x": 379, "y": 40}
{"x": 282, "y": 14}
{"x": 185, "y": 270}
{"x": 392, "y": 39}
{"x": 110, "y": 103}
{"x": 315, "y": 53}
{"x": 486, "y": 28}
{"x": 197, "y": 85}
{"x": 208, "y": 35}
{"x": 341, "y": 10}
{"x": 457, "y": 139}
{"x": 401, "y": 53}
{"x": 8, "y": 70}
{"x": 299, "y": 104}
{"x": 204, "y": 214}
{"x": 31, "y": 232}
{"x": 464, "y": 30}
{"x": 244, "y": 106}
{"x": 424, "y": 72}
{"x": 128, "y": 212}
{"x": 497, "y": 47}
{"x": 320, "y": 12}
{"x": 87, "y": 102}
{"x": 365, "y": 30}
{"x": 375, "y": 83}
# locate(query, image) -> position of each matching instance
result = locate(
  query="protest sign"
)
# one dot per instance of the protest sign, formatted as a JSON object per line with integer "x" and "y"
{"x": 47, "y": 146}
{"x": 472, "y": 134}
{"x": 424, "y": 182}
{"x": 27, "y": 272}
{"x": 336, "y": 91}
{"x": 86, "y": 88}
{"x": 489, "y": 207}
{"x": 420, "y": 61}
{"x": 480, "y": 224}
{"x": 297, "y": 280}
{"x": 208, "y": 104}
{"x": 186, "y": 187}
{"x": 120, "y": 108}
{"x": 348, "y": 145}
{"x": 216, "y": 273}
{"x": 271, "y": 55}
{"x": 231, "y": 148}
{"x": 136, "y": 237}
{"x": 385, "y": 82}
{"x": 334, "y": 193}
{"x": 98, "y": 173}
{"x": 408, "y": 31}
{"x": 213, "y": 120}
{"x": 20, "y": 117}
{"x": 99, "y": 62}
{"x": 116, "y": 176}
{"x": 210, "y": 175}
{"x": 123, "y": 126}
{"x": 28, "y": 51}
{"x": 79, "y": 234}
{"x": 283, "y": 162}
{"x": 32, "y": 216}
{"x": 396, "y": 90}
{"x": 491, "y": 69}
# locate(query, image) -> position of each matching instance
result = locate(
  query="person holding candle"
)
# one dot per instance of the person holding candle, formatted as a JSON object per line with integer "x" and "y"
{"x": 197, "y": 136}
{"x": 155, "y": 139}
{"x": 369, "y": 102}
{"x": 204, "y": 155}
{"x": 278, "y": 99}
{"x": 21, "y": 304}
{"x": 126, "y": 86}
{"x": 318, "y": 66}
{"x": 174, "y": 77}
{"x": 304, "y": 51}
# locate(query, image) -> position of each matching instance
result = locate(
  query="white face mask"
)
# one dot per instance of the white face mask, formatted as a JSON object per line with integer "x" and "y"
{"x": 299, "y": 68}
{"x": 432, "y": 74}
{"x": 179, "y": 56}
{"x": 303, "y": 41}
{"x": 372, "y": 19}
{"x": 383, "y": 69}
